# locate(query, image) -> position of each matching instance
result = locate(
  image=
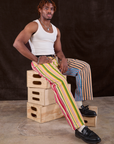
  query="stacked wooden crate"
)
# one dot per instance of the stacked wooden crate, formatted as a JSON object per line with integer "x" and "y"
{"x": 41, "y": 105}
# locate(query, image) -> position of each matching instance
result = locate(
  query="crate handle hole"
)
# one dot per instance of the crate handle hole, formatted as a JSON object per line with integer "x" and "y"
{"x": 36, "y": 76}
{"x": 85, "y": 121}
{"x": 37, "y": 82}
{"x": 37, "y": 93}
{"x": 33, "y": 115}
{"x": 37, "y": 99}
{"x": 33, "y": 108}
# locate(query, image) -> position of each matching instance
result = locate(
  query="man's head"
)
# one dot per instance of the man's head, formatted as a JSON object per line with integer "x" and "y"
{"x": 46, "y": 8}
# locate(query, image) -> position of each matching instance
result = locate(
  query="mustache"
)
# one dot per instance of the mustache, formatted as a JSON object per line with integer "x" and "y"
{"x": 49, "y": 13}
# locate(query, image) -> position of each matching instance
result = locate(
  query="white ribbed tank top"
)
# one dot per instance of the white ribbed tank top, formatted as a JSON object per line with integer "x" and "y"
{"x": 42, "y": 42}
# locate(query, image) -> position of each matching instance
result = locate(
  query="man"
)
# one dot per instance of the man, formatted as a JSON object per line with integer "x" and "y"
{"x": 82, "y": 73}
{"x": 45, "y": 43}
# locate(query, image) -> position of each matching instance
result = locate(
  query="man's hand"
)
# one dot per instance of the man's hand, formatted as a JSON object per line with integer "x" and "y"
{"x": 63, "y": 65}
{"x": 44, "y": 59}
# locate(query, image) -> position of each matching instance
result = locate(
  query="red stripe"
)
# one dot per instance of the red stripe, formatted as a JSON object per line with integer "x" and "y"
{"x": 63, "y": 106}
{"x": 53, "y": 86}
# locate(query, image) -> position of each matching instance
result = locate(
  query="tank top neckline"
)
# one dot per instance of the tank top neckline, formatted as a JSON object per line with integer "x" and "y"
{"x": 43, "y": 28}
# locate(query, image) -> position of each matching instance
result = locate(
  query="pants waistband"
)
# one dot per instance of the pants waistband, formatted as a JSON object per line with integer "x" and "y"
{"x": 46, "y": 55}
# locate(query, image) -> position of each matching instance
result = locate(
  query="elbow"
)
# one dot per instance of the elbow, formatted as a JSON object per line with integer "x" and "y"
{"x": 15, "y": 44}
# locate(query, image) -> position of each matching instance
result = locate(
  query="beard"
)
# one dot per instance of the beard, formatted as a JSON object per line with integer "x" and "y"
{"x": 46, "y": 17}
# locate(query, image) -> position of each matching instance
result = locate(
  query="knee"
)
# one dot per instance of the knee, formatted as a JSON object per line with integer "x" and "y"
{"x": 87, "y": 66}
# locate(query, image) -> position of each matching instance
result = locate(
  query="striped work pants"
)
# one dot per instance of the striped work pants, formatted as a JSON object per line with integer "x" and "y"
{"x": 63, "y": 95}
{"x": 82, "y": 72}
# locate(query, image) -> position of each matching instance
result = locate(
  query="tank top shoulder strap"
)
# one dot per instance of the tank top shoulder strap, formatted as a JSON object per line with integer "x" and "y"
{"x": 54, "y": 28}
{"x": 39, "y": 25}
{"x": 37, "y": 21}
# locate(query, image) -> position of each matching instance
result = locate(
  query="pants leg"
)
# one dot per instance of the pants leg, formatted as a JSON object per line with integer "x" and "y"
{"x": 86, "y": 81}
{"x": 63, "y": 96}
{"x": 76, "y": 73}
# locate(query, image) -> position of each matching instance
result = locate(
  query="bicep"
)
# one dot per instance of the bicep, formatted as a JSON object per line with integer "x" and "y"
{"x": 23, "y": 36}
{"x": 26, "y": 33}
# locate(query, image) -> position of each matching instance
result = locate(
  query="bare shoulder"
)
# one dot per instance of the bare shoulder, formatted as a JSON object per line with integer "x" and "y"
{"x": 31, "y": 27}
{"x": 27, "y": 32}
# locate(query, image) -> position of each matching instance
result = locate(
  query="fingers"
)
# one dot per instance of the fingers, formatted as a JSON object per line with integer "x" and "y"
{"x": 48, "y": 60}
{"x": 63, "y": 68}
{"x": 44, "y": 59}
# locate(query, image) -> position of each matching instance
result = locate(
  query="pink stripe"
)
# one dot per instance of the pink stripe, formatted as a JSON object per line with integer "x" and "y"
{"x": 66, "y": 98}
{"x": 62, "y": 104}
{"x": 34, "y": 68}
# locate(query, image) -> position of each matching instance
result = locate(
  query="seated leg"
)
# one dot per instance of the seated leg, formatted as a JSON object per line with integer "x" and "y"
{"x": 85, "y": 75}
{"x": 82, "y": 73}
{"x": 63, "y": 95}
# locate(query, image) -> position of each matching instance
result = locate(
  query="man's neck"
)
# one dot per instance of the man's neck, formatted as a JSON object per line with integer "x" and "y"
{"x": 44, "y": 21}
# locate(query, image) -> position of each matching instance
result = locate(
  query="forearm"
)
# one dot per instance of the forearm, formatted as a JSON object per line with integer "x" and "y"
{"x": 20, "y": 46}
{"x": 60, "y": 55}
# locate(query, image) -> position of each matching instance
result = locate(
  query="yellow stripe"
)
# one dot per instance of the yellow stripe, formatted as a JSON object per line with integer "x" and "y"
{"x": 69, "y": 110}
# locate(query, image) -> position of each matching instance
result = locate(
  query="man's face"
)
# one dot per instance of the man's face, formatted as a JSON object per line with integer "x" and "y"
{"x": 47, "y": 11}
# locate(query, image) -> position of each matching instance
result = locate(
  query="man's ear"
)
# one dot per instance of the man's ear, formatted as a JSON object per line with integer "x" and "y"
{"x": 39, "y": 10}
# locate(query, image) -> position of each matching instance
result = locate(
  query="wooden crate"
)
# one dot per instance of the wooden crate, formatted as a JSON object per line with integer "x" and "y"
{"x": 43, "y": 114}
{"x": 42, "y": 96}
{"x": 91, "y": 121}
{"x": 36, "y": 81}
